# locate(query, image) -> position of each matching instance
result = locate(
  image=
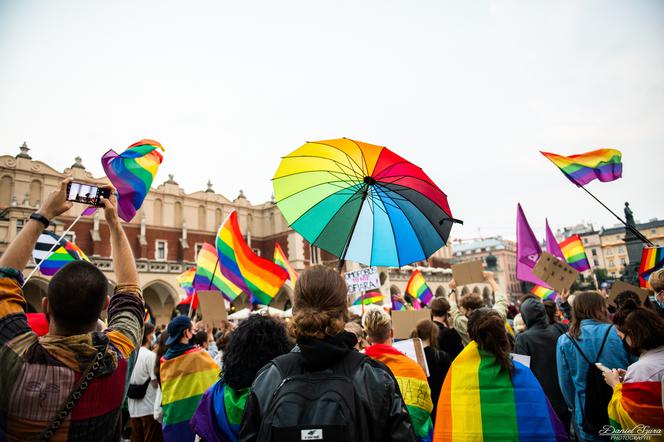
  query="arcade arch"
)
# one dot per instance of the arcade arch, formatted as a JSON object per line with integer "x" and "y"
{"x": 160, "y": 296}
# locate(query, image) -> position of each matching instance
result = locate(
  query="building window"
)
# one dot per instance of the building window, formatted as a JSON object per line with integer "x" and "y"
{"x": 315, "y": 254}
{"x": 585, "y": 240}
{"x": 611, "y": 264}
{"x": 256, "y": 251}
{"x": 622, "y": 261}
{"x": 609, "y": 251}
{"x": 594, "y": 252}
{"x": 197, "y": 248}
{"x": 621, "y": 250}
{"x": 595, "y": 262}
{"x": 161, "y": 250}
{"x": 19, "y": 225}
{"x": 71, "y": 237}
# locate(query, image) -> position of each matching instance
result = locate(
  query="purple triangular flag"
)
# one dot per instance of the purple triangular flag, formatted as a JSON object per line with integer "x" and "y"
{"x": 528, "y": 250}
{"x": 552, "y": 244}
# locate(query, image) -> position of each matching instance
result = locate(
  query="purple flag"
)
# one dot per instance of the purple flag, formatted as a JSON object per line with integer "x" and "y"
{"x": 528, "y": 250}
{"x": 552, "y": 244}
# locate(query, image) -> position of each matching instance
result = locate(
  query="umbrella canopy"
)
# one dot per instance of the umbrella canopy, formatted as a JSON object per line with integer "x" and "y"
{"x": 362, "y": 202}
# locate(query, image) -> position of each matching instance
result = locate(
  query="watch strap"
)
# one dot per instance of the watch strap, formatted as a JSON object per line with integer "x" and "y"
{"x": 41, "y": 218}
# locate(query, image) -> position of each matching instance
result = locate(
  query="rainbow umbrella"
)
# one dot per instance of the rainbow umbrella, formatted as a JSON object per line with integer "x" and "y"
{"x": 362, "y": 202}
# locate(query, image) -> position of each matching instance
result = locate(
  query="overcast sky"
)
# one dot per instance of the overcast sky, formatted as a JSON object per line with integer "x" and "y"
{"x": 470, "y": 91}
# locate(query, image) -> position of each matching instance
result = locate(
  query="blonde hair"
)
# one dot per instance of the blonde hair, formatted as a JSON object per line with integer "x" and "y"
{"x": 656, "y": 280}
{"x": 377, "y": 324}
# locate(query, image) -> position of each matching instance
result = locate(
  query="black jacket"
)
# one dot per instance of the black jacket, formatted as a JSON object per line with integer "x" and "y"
{"x": 539, "y": 342}
{"x": 439, "y": 363}
{"x": 385, "y": 415}
{"x": 449, "y": 340}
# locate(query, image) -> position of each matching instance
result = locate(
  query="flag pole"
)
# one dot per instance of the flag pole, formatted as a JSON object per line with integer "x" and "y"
{"x": 631, "y": 228}
{"x": 57, "y": 243}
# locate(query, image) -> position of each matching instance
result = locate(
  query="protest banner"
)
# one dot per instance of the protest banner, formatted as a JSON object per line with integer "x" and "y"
{"x": 212, "y": 307}
{"x": 556, "y": 274}
{"x": 621, "y": 286}
{"x": 362, "y": 280}
{"x": 468, "y": 272}
{"x": 403, "y": 321}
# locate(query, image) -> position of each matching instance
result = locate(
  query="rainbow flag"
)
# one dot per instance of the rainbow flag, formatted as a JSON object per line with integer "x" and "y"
{"x": 208, "y": 274}
{"x": 281, "y": 260}
{"x": 480, "y": 402}
{"x": 636, "y": 403}
{"x": 652, "y": 259}
{"x": 186, "y": 280}
{"x": 63, "y": 253}
{"x": 369, "y": 298}
{"x": 254, "y": 275}
{"x": 575, "y": 253}
{"x": 398, "y": 305}
{"x": 543, "y": 292}
{"x": 132, "y": 173}
{"x": 184, "y": 379}
{"x": 417, "y": 288}
{"x": 602, "y": 164}
{"x": 413, "y": 385}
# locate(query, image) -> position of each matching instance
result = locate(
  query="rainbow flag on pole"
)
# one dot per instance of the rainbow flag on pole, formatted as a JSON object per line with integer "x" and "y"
{"x": 281, "y": 260}
{"x": 208, "y": 274}
{"x": 543, "y": 292}
{"x": 417, "y": 288}
{"x": 254, "y": 275}
{"x": 186, "y": 280}
{"x": 575, "y": 253}
{"x": 602, "y": 164}
{"x": 63, "y": 253}
{"x": 480, "y": 401}
{"x": 652, "y": 259}
{"x": 369, "y": 298}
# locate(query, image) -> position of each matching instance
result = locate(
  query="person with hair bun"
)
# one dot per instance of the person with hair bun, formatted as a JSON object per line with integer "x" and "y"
{"x": 410, "y": 376}
{"x": 324, "y": 356}
{"x": 488, "y": 396}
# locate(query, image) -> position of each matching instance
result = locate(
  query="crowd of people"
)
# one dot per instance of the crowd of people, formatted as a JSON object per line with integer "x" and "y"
{"x": 325, "y": 374}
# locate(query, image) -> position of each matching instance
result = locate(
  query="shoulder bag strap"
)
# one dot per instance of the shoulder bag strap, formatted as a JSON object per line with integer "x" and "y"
{"x": 70, "y": 403}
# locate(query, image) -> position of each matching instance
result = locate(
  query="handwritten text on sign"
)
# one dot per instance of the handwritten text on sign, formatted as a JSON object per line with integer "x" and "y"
{"x": 362, "y": 280}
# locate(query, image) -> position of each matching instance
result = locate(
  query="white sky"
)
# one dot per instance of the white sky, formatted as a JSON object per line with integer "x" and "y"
{"x": 470, "y": 91}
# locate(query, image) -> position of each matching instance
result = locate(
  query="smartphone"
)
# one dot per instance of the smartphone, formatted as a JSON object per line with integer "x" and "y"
{"x": 87, "y": 194}
{"x": 602, "y": 367}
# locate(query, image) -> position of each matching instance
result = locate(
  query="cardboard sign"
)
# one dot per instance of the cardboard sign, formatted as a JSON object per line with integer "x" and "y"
{"x": 414, "y": 349}
{"x": 362, "y": 280}
{"x": 403, "y": 321}
{"x": 621, "y": 286}
{"x": 556, "y": 274}
{"x": 468, "y": 272}
{"x": 212, "y": 307}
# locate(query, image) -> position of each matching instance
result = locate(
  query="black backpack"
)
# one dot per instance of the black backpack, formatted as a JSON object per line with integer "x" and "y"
{"x": 313, "y": 405}
{"x": 598, "y": 393}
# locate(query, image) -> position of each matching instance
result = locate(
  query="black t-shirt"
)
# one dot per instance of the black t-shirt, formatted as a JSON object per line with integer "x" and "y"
{"x": 449, "y": 340}
{"x": 439, "y": 364}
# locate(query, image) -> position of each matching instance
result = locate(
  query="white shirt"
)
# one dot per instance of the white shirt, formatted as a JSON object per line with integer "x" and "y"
{"x": 143, "y": 370}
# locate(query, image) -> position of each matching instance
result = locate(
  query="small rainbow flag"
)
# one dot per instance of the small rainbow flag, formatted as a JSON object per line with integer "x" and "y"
{"x": 543, "y": 292}
{"x": 186, "y": 280}
{"x": 208, "y": 274}
{"x": 369, "y": 298}
{"x": 602, "y": 164}
{"x": 281, "y": 260}
{"x": 575, "y": 253}
{"x": 64, "y": 253}
{"x": 652, "y": 259}
{"x": 398, "y": 305}
{"x": 480, "y": 401}
{"x": 132, "y": 173}
{"x": 256, "y": 276}
{"x": 417, "y": 288}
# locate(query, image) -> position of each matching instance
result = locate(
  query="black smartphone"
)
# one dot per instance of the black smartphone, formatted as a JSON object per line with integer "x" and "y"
{"x": 87, "y": 194}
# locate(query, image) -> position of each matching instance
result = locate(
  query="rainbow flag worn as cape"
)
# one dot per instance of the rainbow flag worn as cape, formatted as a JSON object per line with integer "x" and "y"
{"x": 602, "y": 164}
{"x": 254, "y": 275}
{"x": 186, "y": 280}
{"x": 575, "y": 253}
{"x": 636, "y": 403}
{"x": 281, "y": 260}
{"x": 208, "y": 274}
{"x": 652, "y": 259}
{"x": 417, "y": 288}
{"x": 184, "y": 379}
{"x": 413, "y": 385}
{"x": 368, "y": 298}
{"x": 132, "y": 173}
{"x": 480, "y": 402}
{"x": 219, "y": 413}
{"x": 63, "y": 253}
{"x": 543, "y": 292}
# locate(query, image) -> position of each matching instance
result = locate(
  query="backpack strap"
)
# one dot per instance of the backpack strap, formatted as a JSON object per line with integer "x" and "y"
{"x": 606, "y": 336}
{"x": 579, "y": 348}
{"x": 288, "y": 364}
{"x": 291, "y": 363}
{"x": 608, "y": 330}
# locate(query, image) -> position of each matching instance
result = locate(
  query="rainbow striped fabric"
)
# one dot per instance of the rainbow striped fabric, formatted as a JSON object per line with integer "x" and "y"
{"x": 64, "y": 253}
{"x": 132, "y": 173}
{"x": 184, "y": 379}
{"x": 281, "y": 260}
{"x": 208, "y": 274}
{"x": 602, "y": 164}
{"x": 575, "y": 253}
{"x": 637, "y": 403}
{"x": 369, "y": 298}
{"x": 186, "y": 280}
{"x": 413, "y": 385}
{"x": 543, "y": 292}
{"x": 256, "y": 276}
{"x": 652, "y": 259}
{"x": 481, "y": 402}
{"x": 398, "y": 305}
{"x": 417, "y": 288}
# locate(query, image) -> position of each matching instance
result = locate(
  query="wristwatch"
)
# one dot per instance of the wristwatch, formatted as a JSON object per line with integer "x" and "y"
{"x": 41, "y": 218}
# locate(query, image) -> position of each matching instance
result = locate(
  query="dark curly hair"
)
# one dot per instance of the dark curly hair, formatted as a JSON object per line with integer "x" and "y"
{"x": 254, "y": 343}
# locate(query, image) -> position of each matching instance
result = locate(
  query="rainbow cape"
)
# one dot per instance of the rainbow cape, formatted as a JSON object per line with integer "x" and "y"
{"x": 636, "y": 403}
{"x": 417, "y": 288}
{"x": 602, "y": 164}
{"x": 369, "y": 298}
{"x": 208, "y": 274}
{"x": 63, "y": 253}
{"x": 186, "y": 280}
{"x": 413, "y": 385}
{"x": 219, "y": 413}
{"x": 575, "y": 253}
{"x": 256, "y": 276}
{"x": 652, "y": 259}
{"x": 281, "y": 260}
{"x": 132, "y": 173}
{"x": 480, "y": 402}
{"x": 184, "y": 379}
{"x": 543, "y": 292}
